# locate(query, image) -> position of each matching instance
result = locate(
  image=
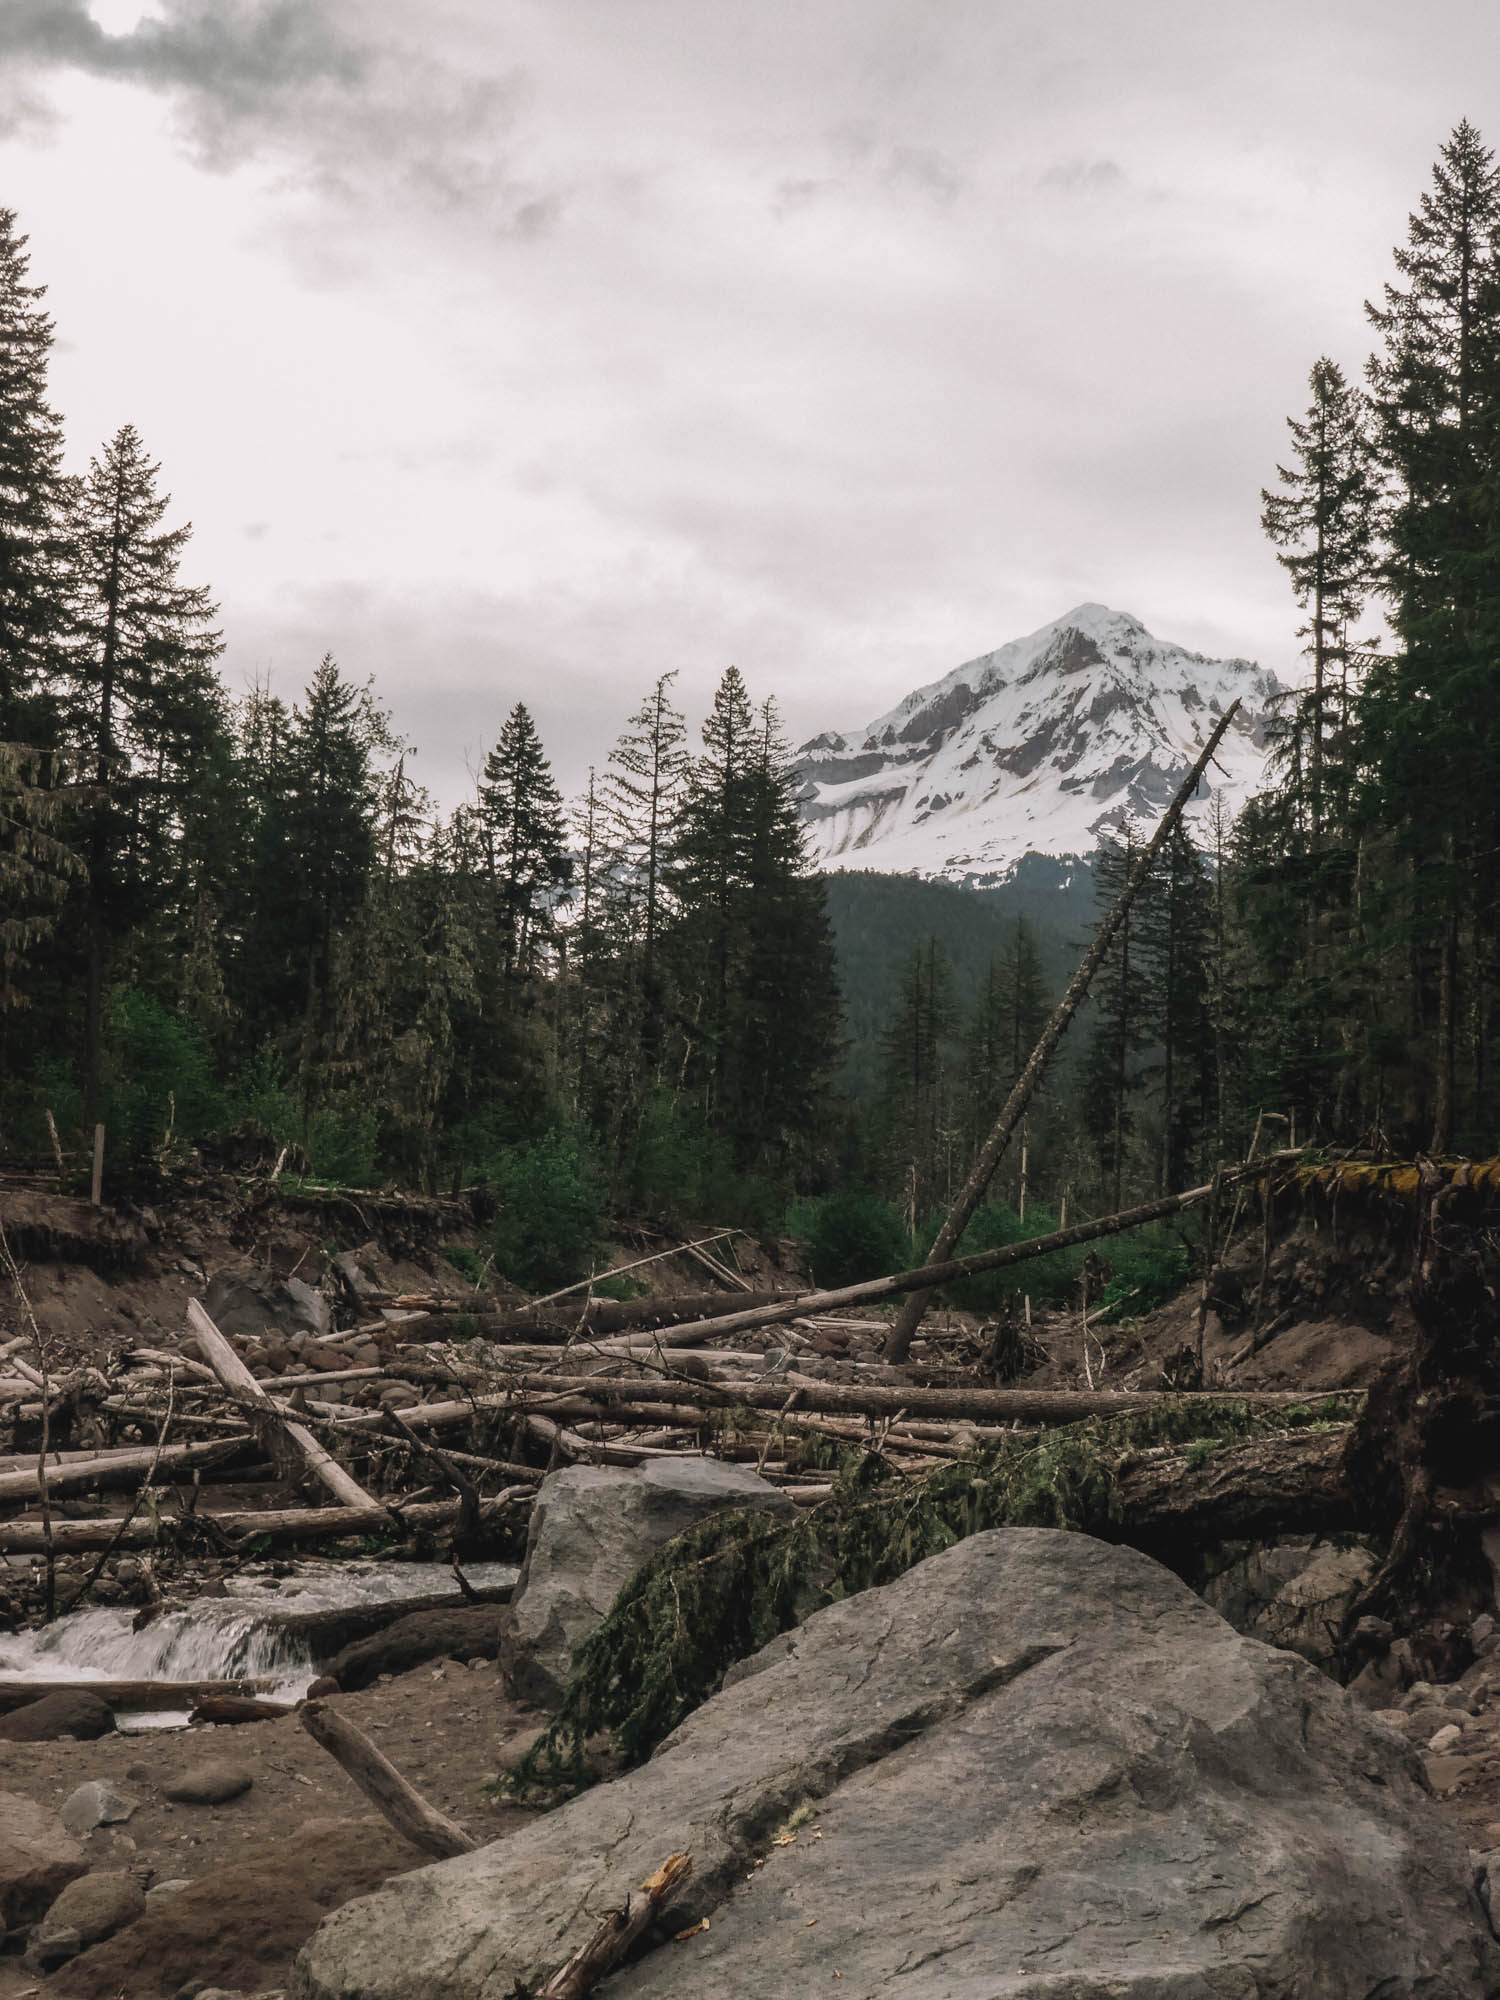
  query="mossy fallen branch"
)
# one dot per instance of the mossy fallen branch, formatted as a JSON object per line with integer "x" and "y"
{"x": 728, "y": 1586}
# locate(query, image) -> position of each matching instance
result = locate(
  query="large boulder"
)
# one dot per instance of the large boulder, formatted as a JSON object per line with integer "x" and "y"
{"x": 591, "y": 1529}
{"x": 246, "y": 1299}
{"x": 67, "y": 1712}
{"x": 90, "y": 1908}
{"x": 1033, "y": 1766}
{"x": 38, "y": 1859}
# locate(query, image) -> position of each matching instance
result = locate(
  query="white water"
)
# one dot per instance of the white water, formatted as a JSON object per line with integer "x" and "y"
{"x": 238, "y": 1637}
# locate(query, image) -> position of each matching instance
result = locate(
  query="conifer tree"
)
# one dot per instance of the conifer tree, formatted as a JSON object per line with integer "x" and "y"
{"x": 316, "y": 854}
{"x": 784, "y": 1012}
{"x": 1324, "y": 523}
{"x": 915, "y": 1105}
{"x": 1122, "y": 1004}
{"x": 1432, "y": 714}
{"x": 146, "y": 703}
{"x": 642, "y": 800}
{"x": 521, "y": 821}
{"x": 1176, "y": 941}
{"x": 34, "y": 500}
{"x": 710, "y": 863}
{"x": 1009, "y": 1014}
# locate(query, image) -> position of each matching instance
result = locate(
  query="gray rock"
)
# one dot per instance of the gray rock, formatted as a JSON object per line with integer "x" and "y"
{"x": 52, "y": 1948}
{"x": 68, "y": 1712}
{"x": 1293, "y": 1593}
{"x": 159, "y": 1892}
{"x": 314, "y": 1308}
{"x": 591, "y": 1529}
{"x": 38, "y": 1859}
{"x": 1033, "y": 1766}
{"x": 95, "y": 1906}
{"x": 95, "y": 1804}
{"x": 210, "y": 1784}
{"x": 245, "y": 1299}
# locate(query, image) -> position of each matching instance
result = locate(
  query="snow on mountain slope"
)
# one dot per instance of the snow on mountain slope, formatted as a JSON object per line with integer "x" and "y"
{"x": 1037, "y": 748}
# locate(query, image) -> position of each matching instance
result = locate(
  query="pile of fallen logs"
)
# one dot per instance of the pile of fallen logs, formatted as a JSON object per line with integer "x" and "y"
{"x": 392, "y": 1427}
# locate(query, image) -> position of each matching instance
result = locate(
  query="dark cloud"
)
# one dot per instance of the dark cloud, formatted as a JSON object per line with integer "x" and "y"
{"x": 245, "y": 56}
{"x": 355, "y": 113}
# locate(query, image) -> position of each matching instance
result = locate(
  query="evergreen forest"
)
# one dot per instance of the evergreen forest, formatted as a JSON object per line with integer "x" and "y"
{"x": 233, "y": 919}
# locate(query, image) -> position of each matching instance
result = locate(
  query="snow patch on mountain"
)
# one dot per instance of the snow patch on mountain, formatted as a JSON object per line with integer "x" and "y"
{"x": 1040, "y": 747}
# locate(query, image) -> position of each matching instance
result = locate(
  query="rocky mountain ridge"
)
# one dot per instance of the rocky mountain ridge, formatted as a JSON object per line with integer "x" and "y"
{"x": 1039, "y": 747}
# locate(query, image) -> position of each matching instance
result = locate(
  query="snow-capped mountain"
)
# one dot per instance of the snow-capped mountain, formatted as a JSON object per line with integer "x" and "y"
{"x": 1037, "y": 748}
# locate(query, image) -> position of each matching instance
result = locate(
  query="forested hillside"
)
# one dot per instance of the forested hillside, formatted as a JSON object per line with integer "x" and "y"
{"x": 225, "y": 913}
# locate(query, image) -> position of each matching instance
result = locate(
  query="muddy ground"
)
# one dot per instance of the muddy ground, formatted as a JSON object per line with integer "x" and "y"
{"x": 273, "y": 1861}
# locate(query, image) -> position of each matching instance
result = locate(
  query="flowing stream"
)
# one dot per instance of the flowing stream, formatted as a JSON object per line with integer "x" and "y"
{"x": 238, "y": 1636}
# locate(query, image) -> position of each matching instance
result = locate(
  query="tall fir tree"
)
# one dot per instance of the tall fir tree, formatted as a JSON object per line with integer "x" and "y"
{"x": 520, "y": 817}
{"x": 147, "y": 706}
{"x": 916, "y": 1111}
{"x": 35, "y": 499}
{"x": 1122, "y": 1003}
{"x": 1324, "y": 521}
{"x": 316, "y": 853}
{"x": 642, "y": 799}
{"x": 1431, "y": 713}
{"x": 1176, "y": 941}
{"x": 1009, "y": 1014}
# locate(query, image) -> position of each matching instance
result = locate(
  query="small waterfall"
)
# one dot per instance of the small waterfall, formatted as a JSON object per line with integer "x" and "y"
{"x": 238, "y": 1637}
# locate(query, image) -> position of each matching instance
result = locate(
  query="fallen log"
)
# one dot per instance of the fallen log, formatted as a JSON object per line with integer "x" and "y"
{"x": 1296, "y": 1483}
{"x": 555, "y": 1326}
{"x": 235, "y": 1708}
{"x": 236, "y": 1377}
{"x": 142, "y": 1695}
{"x": 819, "y": 1398}
{"x": 596, "y": 1451}
{"x": 926, "y": 1277}
{"x": 383, "y": 1785}
{"x": 289, "y": 1524}
{"x": 898, "y": 1342}
{"x": 327, "y": 1632}
{"x": 112, "y": 1468}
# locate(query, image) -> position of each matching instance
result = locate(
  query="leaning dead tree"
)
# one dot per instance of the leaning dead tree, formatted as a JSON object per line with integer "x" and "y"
{"x": 904, "y": 1327}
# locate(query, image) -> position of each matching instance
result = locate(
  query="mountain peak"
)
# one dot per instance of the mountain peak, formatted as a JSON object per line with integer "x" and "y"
{"x": 1042, "y": 746}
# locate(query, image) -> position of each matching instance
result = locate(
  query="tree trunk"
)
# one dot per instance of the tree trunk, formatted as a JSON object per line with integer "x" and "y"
{"x": 383, "y": 1785}
{"x": 898, "y": 1346}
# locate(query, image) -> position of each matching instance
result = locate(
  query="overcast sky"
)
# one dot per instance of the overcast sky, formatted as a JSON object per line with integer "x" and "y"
{"x": 526, "y": 349}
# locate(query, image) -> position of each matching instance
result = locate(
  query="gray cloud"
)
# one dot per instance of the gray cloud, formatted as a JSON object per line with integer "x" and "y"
{"x": 1082, "y": 177}
{"x": 576, "y": 342}
{"x": 357, "y": 113}
{"x": 244, "y": 56}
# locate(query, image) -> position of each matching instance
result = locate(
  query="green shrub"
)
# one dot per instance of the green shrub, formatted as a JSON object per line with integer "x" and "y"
{"x": 341, "y": 1139}
{"x": 850, "y": 1236}
{"x": 466, "y": 1262}
{"x": 549, "y": 1214}
{"x": 621, "y": 1289}
{"x": 160, "y": 1091}
{"x": 1147, "y": 1270}
{"x": 1048, "y": 1280}
{"x": 343, "y": 1146}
